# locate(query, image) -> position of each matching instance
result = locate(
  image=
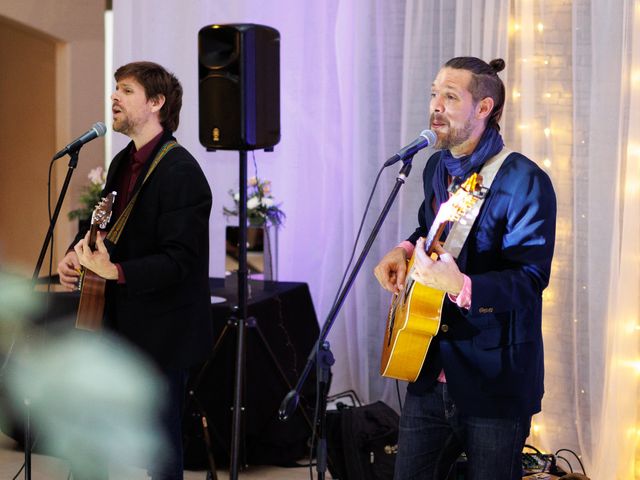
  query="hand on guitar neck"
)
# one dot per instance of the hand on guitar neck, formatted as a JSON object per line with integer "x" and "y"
{"x": 90, "y": 252}
{"x": 97, "y": 260}
{"x": 442, "y": 274}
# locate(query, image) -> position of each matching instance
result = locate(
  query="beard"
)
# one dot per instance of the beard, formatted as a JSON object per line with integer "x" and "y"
{"x": 454, "y": 136}
{"x": 123, "y": 125}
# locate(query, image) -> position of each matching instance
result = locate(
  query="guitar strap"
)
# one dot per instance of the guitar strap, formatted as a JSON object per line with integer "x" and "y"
{"x": 460, "y": 230}
{"x": 114, "y": 234}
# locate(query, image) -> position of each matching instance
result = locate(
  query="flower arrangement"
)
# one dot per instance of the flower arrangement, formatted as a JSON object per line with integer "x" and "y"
{"x": 261, "y": 206}
{"x": 90, "y": 196}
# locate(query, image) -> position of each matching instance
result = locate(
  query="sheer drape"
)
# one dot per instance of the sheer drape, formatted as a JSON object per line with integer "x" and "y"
{"x": 355, "y": 78}
{"x": 613, "y": 181}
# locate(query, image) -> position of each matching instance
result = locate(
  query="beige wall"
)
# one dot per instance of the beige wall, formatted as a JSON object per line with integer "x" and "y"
{"x": 51, "y": 91}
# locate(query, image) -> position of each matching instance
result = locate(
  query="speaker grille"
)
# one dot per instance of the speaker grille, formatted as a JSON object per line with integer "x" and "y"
{"x": 239, "y": 86}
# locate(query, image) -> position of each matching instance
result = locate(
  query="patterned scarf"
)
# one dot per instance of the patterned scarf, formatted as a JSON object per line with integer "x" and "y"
{"x": 490, "y": 144}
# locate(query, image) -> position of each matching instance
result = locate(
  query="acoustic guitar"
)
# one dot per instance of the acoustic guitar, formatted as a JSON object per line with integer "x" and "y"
{"x": 92, "y": 286}
{"x": 414, "y": 316}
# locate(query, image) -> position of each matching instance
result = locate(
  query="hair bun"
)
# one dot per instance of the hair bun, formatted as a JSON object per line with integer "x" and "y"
{"x": 497, "y": 64}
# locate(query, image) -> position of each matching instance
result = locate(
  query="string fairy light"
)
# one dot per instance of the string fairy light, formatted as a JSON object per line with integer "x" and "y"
{"x": 536, "y": 428}
{"x": 633, "y": 364}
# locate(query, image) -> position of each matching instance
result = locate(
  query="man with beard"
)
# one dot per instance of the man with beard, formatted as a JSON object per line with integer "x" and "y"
{"x": 482, "y": 378}
{"x": 157, "y": 271}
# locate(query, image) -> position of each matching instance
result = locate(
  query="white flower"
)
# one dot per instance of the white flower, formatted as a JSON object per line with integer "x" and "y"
{"x": 236, "y": 197}
{"x": 252, "y": 203}
{"x": 267, "y": 202}
{"x": 97, "y": 176}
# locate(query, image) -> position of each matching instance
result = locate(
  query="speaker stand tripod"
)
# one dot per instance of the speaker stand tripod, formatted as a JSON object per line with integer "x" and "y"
{"x": 207, "y": 425}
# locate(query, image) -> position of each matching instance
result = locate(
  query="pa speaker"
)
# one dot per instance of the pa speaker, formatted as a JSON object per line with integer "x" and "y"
{"x": 239, "y": 86}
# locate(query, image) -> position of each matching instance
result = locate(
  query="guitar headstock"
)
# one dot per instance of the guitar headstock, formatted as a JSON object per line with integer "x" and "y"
{"x": 102, "y": 213}
{"x": 464, "y": 197}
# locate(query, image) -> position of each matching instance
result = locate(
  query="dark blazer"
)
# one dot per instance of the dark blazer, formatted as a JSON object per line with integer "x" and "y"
{"x": 164, "y": 307}
{"x": 492, "y": 354}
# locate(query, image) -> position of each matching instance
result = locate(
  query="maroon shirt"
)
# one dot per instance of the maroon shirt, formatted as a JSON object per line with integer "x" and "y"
{"x": 130, "y": 171}
{"x": 129, "y": 174}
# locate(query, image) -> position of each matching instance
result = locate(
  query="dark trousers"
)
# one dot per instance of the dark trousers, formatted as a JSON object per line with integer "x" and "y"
{"x": 433, "y": 434}
{"x": 171, "y": 467}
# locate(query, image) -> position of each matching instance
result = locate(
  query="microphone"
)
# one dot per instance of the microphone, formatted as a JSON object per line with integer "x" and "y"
{"x": 426, "y": 138}
{"x": 98, "y": 130}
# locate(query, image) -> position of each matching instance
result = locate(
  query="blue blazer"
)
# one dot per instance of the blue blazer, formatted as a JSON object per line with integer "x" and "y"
{"x": 492, "y": 354}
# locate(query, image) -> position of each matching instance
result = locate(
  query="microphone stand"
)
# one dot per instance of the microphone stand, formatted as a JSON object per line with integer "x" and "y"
{"x": 321, "y": 351}
{"x": 73, "y": 163}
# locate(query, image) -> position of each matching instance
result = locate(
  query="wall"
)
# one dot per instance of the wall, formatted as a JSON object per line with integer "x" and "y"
{"x": 51, "y": 91}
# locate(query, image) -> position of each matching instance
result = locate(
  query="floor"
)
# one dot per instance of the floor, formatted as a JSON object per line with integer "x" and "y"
{"x": 49, "y": 468}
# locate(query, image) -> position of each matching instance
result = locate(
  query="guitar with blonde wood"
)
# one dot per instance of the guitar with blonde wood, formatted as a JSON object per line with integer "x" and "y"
{"x": 92, "y": 286}
{"x": 414, "y": 316}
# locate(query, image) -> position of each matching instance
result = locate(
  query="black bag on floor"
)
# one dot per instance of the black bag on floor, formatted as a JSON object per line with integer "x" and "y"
{"x": 362, "y": 442}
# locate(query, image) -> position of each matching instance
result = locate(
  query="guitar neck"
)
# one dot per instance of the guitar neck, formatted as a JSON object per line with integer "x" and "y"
{"x": 435, "y": 232}
{"x": 93, "y": 232}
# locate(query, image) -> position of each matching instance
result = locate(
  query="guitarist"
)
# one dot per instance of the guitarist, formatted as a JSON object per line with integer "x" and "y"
{"x": 157, "y": 293}
{"x": 482, "y": 379}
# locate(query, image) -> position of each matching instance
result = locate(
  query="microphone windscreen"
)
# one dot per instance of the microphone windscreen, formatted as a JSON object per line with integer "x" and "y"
{"x": 100, "y": 128}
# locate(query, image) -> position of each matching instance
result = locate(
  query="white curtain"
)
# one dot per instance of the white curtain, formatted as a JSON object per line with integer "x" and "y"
{"x": 355, "y": 78}
{"x": 609, "y": 243}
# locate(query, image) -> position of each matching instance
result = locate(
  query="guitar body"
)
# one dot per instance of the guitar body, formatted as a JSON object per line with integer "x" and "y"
{"x": 92, "y": 286}
{"x": 413, "y": 320}
{"x": 414, "y": 316}
{"x": 91, "y": 307}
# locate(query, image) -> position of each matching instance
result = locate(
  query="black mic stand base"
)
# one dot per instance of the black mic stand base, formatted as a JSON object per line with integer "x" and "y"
{"x": 28, "y": 442}
{"x": 290, "y": 401}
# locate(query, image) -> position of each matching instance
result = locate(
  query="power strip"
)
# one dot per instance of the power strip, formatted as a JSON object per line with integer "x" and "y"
{"x": 538, "y": 462}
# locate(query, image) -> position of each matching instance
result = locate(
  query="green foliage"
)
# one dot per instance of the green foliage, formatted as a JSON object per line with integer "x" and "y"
{"x": 90, "y": 195}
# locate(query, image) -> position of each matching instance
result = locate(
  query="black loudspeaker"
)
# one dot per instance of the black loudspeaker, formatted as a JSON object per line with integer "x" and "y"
{"x": 239, "y": 86}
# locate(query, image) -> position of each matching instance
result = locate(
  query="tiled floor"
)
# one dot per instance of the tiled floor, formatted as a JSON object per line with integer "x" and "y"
{"x": 49, "y": 468}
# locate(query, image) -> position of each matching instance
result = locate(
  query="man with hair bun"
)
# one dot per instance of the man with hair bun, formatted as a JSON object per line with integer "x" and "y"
{"x": 482, "y": 379}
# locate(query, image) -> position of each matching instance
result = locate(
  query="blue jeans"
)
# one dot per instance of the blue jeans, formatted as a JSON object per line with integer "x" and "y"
{"x": 433, "y": 434}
